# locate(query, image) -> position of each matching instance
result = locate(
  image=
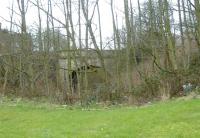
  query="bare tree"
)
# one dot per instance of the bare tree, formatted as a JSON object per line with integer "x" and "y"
{"x": 128, "y": 44}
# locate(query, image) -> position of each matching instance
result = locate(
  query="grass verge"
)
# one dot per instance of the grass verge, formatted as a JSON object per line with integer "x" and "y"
{"x": 161, "y": 120}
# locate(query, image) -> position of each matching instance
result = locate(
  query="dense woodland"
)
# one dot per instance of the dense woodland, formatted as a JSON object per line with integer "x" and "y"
{"x": 149, "y": 57}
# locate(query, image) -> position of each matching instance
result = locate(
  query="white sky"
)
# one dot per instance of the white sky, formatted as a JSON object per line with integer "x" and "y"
{"x": 32, "y": 16}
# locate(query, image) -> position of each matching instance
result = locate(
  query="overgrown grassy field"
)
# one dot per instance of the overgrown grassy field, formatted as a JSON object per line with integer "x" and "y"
{"x": 174, "y": 119}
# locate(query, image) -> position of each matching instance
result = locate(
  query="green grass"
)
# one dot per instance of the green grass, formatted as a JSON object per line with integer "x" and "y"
{"x": 174, "y": 119}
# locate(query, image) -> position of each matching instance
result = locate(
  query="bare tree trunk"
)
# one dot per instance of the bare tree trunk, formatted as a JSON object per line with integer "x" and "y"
{"x": 46, "y": 56}
{"x": 74, "y": 46}
{"x": 128, "y": 45}
{"x": 182, "y": 35}
{"x": 22, "y": 9}
{"x": 188, "y": 31}
{"x": 80, "y": 76}
{"x": 151, "y": 30}
{"x": 117, "y": 49}
{"x": 39, "y": 28}
{"x": 100, "y": 34}
{"x": 68, "y": 48}
{"x": 86, "y": 44}
{"x": 170, "y": 41}
{"x": 197, "y": 13}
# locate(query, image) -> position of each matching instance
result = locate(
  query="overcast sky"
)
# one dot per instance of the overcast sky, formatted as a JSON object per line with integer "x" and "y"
{"x": 32, "y": 18}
